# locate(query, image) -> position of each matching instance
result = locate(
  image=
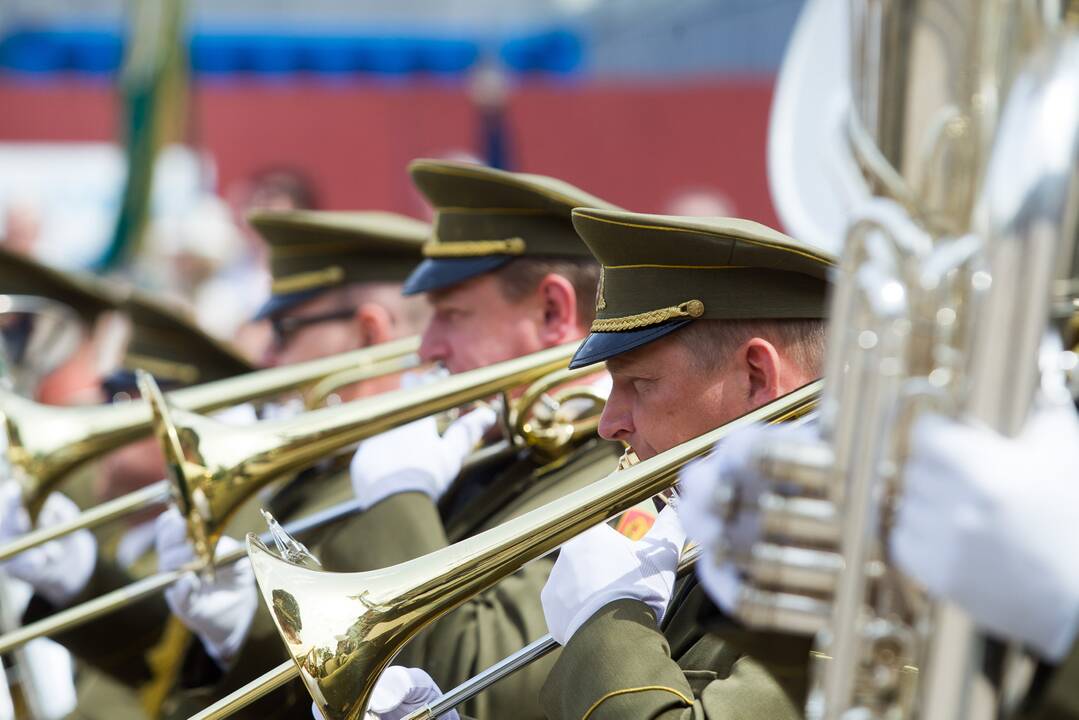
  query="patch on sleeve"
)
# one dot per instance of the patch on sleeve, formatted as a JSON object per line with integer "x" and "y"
{"x": 634, "y": 523}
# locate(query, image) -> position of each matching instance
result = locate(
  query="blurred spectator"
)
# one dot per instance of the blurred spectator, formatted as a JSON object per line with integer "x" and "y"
{"x": 22, "y": 227}
{"x": 245, "y": 285}
{"x": 701, "y": 202}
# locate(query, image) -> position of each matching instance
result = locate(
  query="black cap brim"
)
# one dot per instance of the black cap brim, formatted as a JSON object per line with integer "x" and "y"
{"x": 600, "y": 346}
{"x": 280, "y": 303}
{"x": 441, "y": 273}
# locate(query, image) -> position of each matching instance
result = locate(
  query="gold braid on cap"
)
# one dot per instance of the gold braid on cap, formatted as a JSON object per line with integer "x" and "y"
{"x": 326, "y": 277}
{"x": 690, "y": 308}
{"x": 474, "y": 248}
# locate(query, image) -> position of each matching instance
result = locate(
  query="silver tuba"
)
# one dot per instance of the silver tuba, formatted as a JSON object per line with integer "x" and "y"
{"x": 957, "y": 275}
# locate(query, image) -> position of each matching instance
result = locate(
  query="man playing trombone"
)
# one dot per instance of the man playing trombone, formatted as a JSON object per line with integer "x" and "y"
{"x": 363, "y": 250}
{"x": 699, "y": 321}
{"x": 506, "y": 276}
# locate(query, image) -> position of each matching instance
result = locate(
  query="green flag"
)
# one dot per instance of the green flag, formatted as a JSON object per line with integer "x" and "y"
{"x": 153, "y": 94}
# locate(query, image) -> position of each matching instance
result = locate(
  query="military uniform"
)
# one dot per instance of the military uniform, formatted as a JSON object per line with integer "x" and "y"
{"x": 659, "y": 275}
{"x": 310, "y": 253}
{"x": 484, "y": 220}
{"x": 408, "y": 525}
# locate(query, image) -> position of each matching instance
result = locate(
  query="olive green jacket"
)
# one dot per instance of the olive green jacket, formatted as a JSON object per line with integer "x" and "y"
{"x": 619, "y": 664}
{"x": 478, "y": 634}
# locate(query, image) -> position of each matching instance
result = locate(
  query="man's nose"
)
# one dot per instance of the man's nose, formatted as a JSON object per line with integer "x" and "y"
{"x": 616, "y": 423}
{"x": 432, "y": 346}
{"x": 271, "y": 357}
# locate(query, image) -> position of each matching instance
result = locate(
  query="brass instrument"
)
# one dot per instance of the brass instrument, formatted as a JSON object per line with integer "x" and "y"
{"x": 343, "y": 629}
{"x": 509, "y": 665}
{"x": 37, "y": 335}
{"x": 942, "y": 302}
{"x": 324, "y": 391}
{"x": 45, "y": 443}
{"x": 214, "y": 467}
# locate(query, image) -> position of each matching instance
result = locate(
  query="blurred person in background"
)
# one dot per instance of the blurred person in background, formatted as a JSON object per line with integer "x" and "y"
{"x": 83, "y": 564}
{"x": 368, "y": 249}
{"x": 245, "y": 284}
{"x": 700, "y": 202}
{"x": 22, "y": 227}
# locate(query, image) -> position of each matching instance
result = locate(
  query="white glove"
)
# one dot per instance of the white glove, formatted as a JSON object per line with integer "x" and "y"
{"x": 729, "y": 466}
{"x": 415, "y": 458}
{"x": 398, "y": 692}
{"x": 58, "y": 569}
{"x": 601, "y": 565}
{"x": 989, "y": 523}
{"x": 219, "y": 612}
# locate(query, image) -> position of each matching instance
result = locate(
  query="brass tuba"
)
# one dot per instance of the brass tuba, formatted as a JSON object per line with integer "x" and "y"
{"x": 965, "y": 122}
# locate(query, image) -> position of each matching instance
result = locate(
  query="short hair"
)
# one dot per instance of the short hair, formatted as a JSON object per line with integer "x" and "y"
{"x": 712, "y": 341}
{"x": 522, "y": 276}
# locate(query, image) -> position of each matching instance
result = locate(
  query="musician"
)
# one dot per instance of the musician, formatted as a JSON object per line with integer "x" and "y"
{"x": 360, "y": 250}
{"x": 337, "y": 285}
{"x": 506, "y": 275}
{"x": 700, "y": 321}
{"x": 82, "y": 564}
{"x": 503, "y": 275}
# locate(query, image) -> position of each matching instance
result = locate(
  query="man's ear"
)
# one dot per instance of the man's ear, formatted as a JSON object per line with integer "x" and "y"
{"x": 373, "y": 325}
{"x": 559, "y": 303}
{"x": 761, "y": 363}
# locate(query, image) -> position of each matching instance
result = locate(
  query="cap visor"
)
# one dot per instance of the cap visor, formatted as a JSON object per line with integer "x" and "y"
{"x": 280, "y": 303}
{"x": 441, "y": 273}
{"x": 600, "y": 346}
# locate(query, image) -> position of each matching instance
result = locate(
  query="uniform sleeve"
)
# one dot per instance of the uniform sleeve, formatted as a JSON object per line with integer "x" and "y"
{"x": 140, "y": 624}
{"x": 618, "y": 665}
{"x": 476, "y": 635}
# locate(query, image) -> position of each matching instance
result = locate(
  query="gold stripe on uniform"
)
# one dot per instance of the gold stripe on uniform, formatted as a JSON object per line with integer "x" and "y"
{"x": 474, "y": 248}
{"x": 308, "y": 280}
{"x": 627, "y": 691}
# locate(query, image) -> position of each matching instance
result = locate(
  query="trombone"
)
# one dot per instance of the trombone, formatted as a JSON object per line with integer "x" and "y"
{"x": 507, "y": 666}
{"x": 214, "y": 467}
{"x": 343, "y": 629}
{"x": 45, "y": 443}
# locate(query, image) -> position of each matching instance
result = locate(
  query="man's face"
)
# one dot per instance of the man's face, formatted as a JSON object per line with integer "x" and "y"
{"x": 337, "y": 331}
{"x": 661, "y": 397}
{"x": 473, "y": 325}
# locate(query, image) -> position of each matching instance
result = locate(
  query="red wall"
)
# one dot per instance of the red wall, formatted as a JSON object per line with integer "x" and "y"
{"x": 635, "y": 144}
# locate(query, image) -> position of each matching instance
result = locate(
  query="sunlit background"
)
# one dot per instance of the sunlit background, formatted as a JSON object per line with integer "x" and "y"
{"x": 655, "y": 105}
